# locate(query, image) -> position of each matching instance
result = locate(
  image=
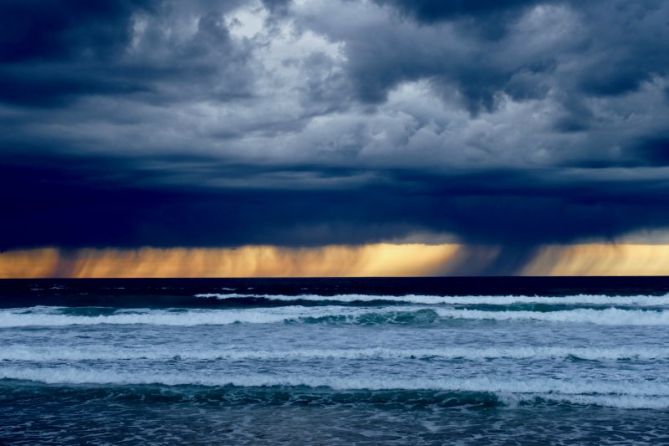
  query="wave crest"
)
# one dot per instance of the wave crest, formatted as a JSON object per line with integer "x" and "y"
{"x": 56, "y": 316}
{"x": 641, "y": 394}
{"x": 580, "y": 299}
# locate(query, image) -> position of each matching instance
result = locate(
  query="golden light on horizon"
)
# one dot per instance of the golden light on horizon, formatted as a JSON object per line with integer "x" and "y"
{"x": 248, "y": 261}
{"x": 600, "y": 260}
{"x": 29, "y": 263}
{"x": 383, "y": 259}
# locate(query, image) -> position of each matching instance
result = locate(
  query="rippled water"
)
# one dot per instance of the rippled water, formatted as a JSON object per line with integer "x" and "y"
{"x": 226, "y": 363}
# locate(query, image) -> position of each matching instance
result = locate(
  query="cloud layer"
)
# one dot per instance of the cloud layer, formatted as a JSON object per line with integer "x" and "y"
{"x": 227, "y": 123}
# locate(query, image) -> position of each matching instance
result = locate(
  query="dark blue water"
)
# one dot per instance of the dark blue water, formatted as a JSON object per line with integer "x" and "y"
{"x": 335, "y": 361}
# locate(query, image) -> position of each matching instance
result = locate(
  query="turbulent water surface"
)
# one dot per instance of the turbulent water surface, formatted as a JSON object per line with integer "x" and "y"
{"x": 368, "y": 361}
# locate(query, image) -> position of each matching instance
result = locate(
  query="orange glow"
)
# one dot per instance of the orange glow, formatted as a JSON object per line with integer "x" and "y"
{"x": 29, "y": 263}
{"x": 249, "y": 261}
{"x": 331, "y": 261}
{"x": 600, "y": 260}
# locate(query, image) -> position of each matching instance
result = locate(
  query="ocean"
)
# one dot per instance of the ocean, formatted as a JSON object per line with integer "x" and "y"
{"x": 424, "y": 361}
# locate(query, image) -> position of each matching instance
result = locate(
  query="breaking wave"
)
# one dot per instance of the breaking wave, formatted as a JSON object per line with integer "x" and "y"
{"x": 60, "y": 316}
{"x": 581, "y": 299}
{"x": 640, "y": 394}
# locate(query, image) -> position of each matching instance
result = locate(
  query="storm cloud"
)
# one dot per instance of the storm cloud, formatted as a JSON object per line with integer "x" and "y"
{"x": 227, "y": 123}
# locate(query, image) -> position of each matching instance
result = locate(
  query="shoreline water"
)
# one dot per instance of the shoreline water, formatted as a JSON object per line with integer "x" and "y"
{"x": 334, "y": 361}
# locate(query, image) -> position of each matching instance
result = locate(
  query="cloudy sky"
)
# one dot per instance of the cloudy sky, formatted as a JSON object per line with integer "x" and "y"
{"x": 502, "y": 126}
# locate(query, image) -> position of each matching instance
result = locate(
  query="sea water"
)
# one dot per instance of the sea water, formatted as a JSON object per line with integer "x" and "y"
{"x": 335, "y": 361}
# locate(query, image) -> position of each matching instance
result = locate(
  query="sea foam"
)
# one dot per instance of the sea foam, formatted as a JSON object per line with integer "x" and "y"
{"x": 54, "y": 316}
{"x": 628, "y": 394}
{"x": 581, "y": 299}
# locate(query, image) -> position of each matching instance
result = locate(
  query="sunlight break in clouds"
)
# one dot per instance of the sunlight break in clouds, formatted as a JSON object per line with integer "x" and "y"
{"x": 373, "y": 260}
{"x": 249, "y": 261}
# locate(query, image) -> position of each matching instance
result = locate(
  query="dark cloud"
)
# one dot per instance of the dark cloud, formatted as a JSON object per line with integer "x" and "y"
{"x": 452, "y": 57}
{"x": 50, "y": 29}
{"x": 606, "y": 48}
{"x": 84, "y": 202}
{"x": 276, "y": 6}
{"x": 54, "y": 52}
{"x": 51, "y": 51}
{"x": 56, "y": 85}
{"x": 434, "y": 10}
{"x": 628, "y": 45}
{"x": 653, "y": 151}
{"x": 222, "y": 123}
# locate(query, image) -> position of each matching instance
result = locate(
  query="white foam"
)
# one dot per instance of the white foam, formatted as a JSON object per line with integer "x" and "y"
{"x": 607, "y": 316}
{"x": 617, "y": 401}
{"x": 165, "y": 353}
{"x": 628, "y": 394}
{"x": 53, "y": 316}
{"x": 581, "y": 299}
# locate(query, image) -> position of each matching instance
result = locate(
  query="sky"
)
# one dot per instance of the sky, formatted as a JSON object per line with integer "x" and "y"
{"x": 467, "y": 137}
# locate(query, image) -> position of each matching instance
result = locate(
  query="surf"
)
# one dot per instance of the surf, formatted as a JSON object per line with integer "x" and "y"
{"x": 60, "y": 316}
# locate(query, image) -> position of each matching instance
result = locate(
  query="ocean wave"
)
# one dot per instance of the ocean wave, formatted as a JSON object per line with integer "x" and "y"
{"x": 60, "y": 316}
{"x": 607, "y": 316}
{"x": 581, "y": 299}
{"x": 157, "y": 353}
{"x": 626, "y": 394}
{"x": 237, "y": 395}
